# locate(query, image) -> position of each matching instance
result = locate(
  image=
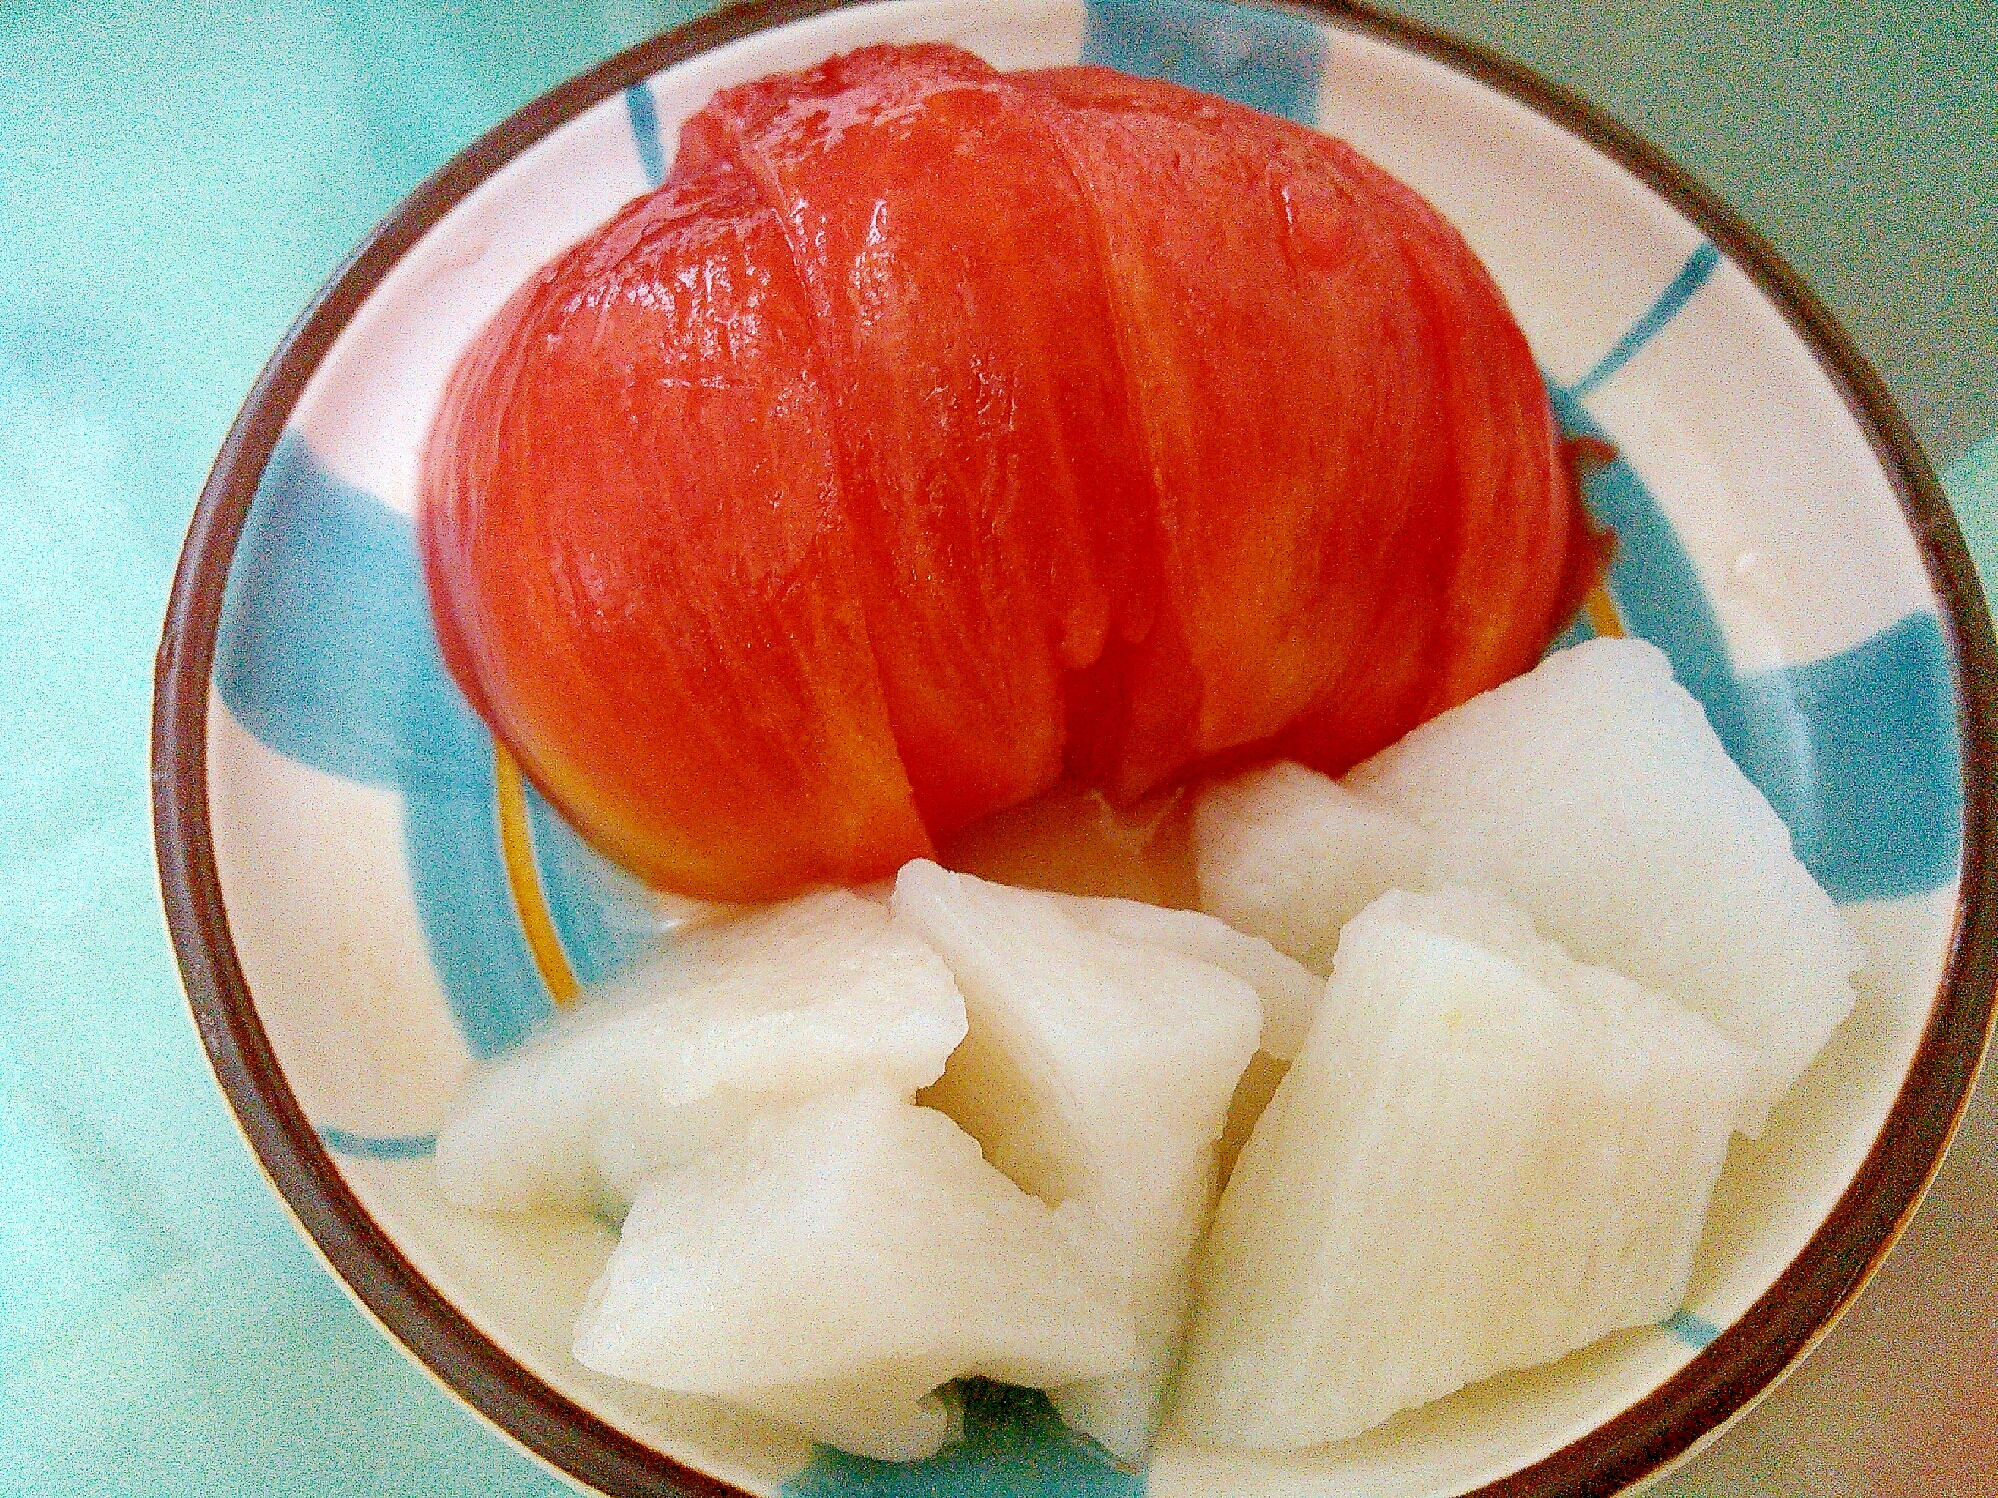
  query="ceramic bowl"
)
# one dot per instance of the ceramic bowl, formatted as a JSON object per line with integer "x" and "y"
{"x": 366, "y": 903}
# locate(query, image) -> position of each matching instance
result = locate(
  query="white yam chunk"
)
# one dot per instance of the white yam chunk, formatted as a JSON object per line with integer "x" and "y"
{"x": 838, "y": 1263}
{"x": 1291, "y": 855}
{"x": 825, "y": 993}
{"x": 1595, "y": 793}
{"x": 1486, "y": 1156}
{"x": 1097, "y": 1073}
{"x": 1288, "y": 989}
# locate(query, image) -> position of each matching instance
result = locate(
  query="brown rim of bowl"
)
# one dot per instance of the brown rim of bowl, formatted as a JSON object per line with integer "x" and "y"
{"x": 1717, "y": 1384}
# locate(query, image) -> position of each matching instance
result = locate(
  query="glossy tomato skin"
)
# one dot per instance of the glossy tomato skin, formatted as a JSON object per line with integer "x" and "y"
{"x": 636, "y": 549}
{"x": 933, "y": 434}
{"x": 1281, "y": 359}
{"x": 978, "y": 401}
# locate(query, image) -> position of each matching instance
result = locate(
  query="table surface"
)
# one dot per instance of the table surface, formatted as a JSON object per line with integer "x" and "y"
{"x": 174, "y": 183}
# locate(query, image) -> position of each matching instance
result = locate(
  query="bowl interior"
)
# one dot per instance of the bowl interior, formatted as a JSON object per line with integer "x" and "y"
{"x": 402, "y": 907}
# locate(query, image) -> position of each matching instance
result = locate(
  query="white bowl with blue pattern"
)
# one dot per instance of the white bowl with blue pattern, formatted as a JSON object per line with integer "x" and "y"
{"x": 368, "y": 901}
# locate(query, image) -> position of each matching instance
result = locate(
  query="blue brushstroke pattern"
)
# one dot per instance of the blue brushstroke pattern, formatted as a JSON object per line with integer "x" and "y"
{"x": 1692, "y": 276}
{"x": 1267, "y": 59}
{"x": 1694, "y": 1331}
{"x": 1014, "y": 1446}
{"x": 380, "y": 1146}
{"x": 324, "y": 650}
{"x": 458, "y": 870}
{"x": 326, "y": 655}
{"x": 644, "y": 116}
{"x": 1654, "y": 582}
{"x": 1873, "y": 786}
{"x": 1857, "y": 753}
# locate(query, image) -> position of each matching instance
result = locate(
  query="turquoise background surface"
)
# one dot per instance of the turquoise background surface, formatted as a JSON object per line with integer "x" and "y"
{"x": 174, "y": 184}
